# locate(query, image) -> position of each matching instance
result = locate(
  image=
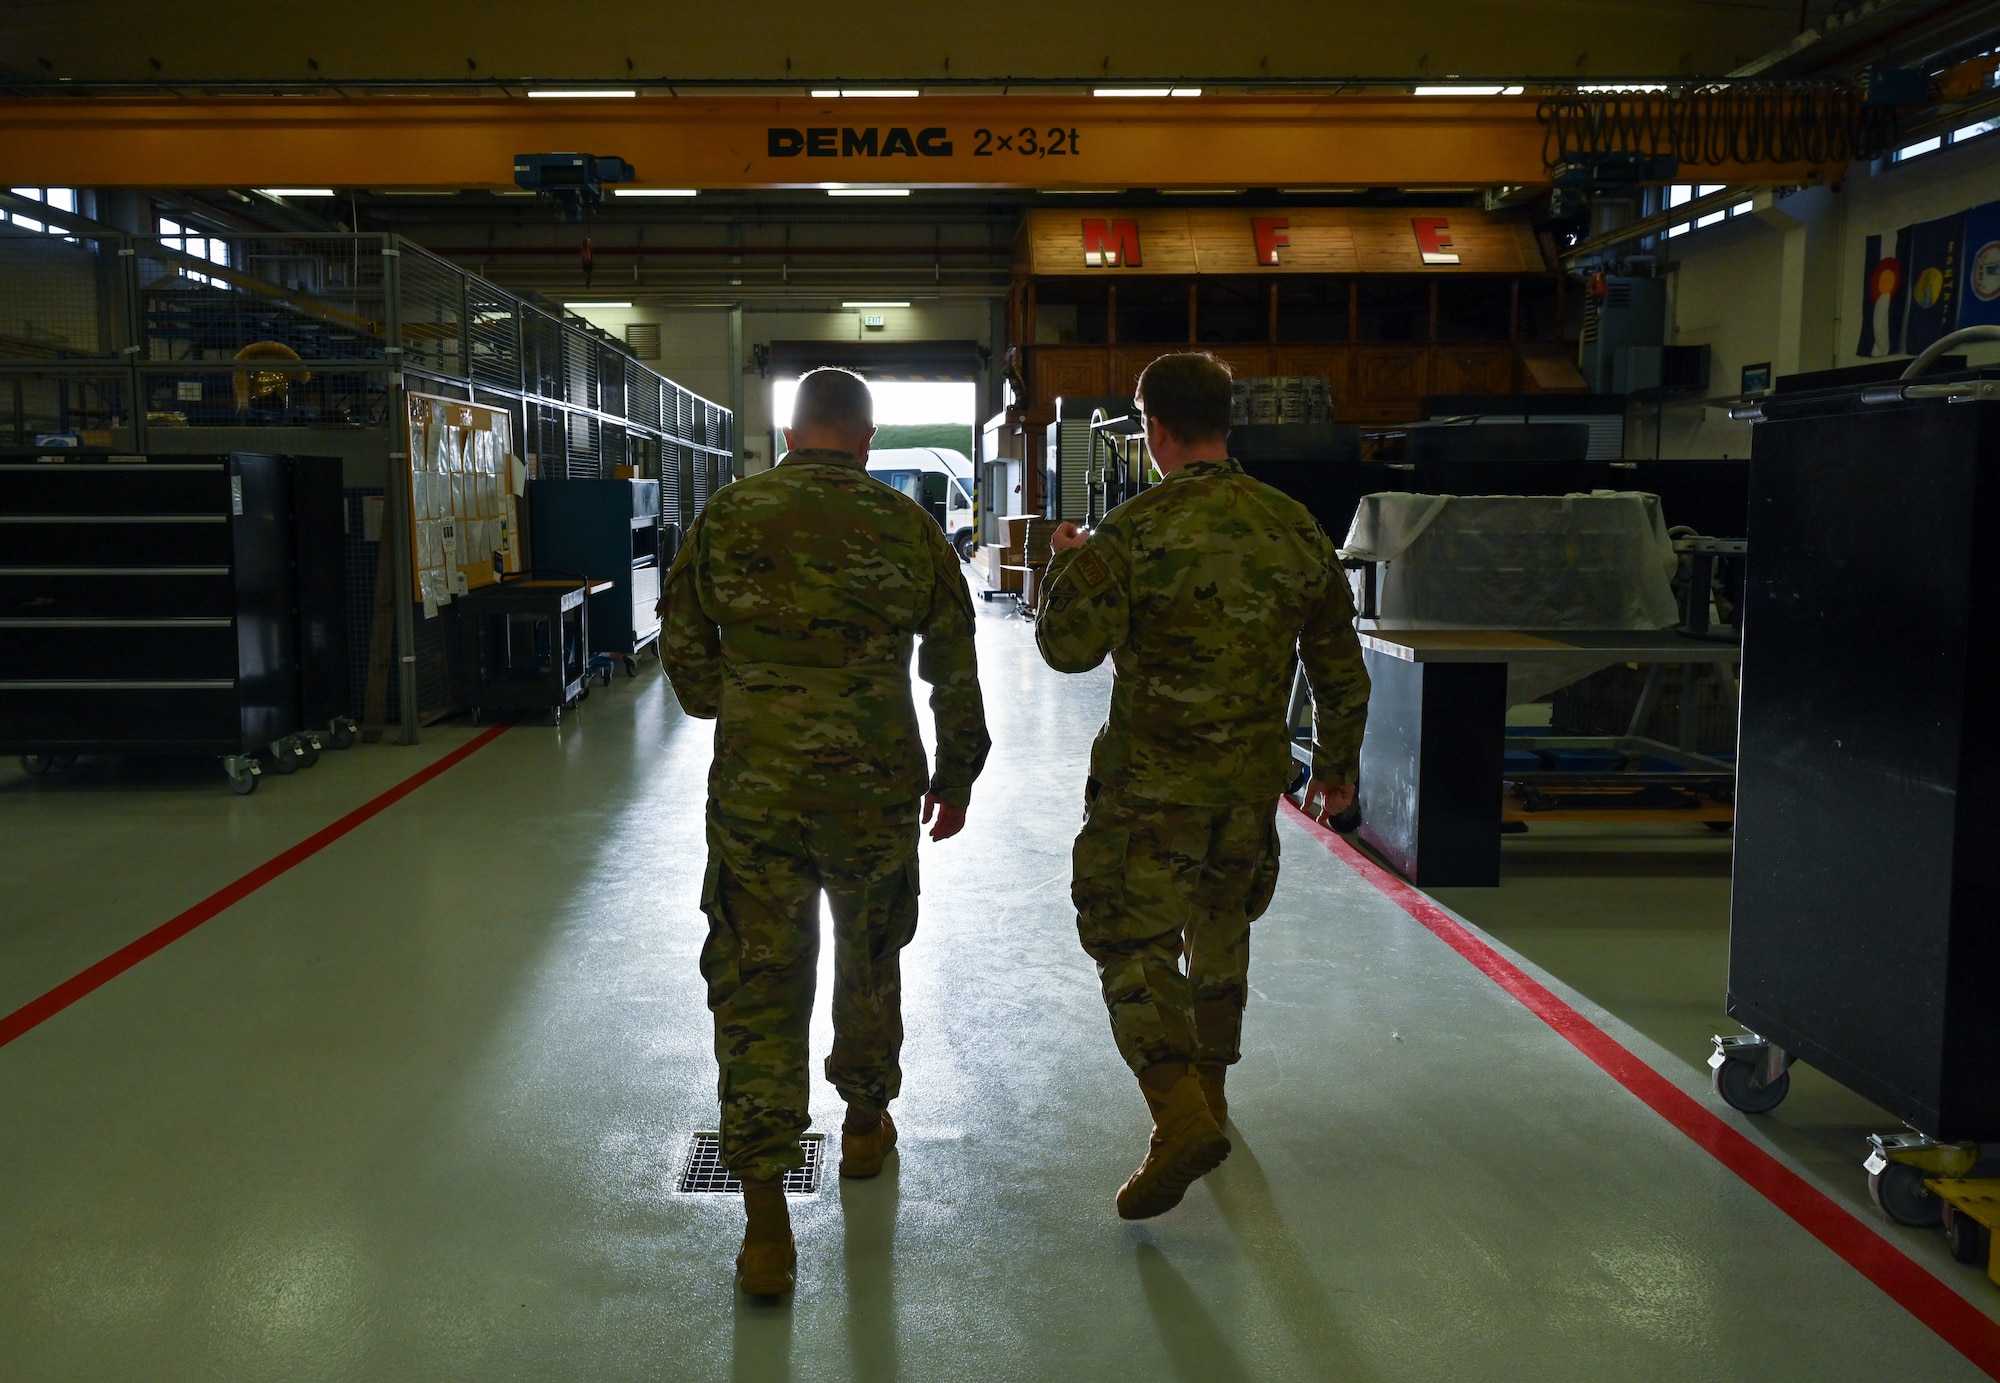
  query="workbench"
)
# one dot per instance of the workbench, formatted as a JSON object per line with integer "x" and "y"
{"x": 1433, "y": 756}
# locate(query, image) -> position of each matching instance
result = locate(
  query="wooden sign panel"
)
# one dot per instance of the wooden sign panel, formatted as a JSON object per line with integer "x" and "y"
{"x": 1322, "y": 240}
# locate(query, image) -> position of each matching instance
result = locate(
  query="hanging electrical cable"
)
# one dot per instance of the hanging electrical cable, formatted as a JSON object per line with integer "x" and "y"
{"x": 1788, "y": 122}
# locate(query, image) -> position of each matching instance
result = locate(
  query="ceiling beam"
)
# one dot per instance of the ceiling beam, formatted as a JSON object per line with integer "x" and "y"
{"x": 1017, "y": 141}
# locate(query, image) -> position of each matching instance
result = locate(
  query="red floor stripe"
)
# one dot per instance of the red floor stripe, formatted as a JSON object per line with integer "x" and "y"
{"x": 1957, "y": 1321}
{"x": 38, "y": 1011}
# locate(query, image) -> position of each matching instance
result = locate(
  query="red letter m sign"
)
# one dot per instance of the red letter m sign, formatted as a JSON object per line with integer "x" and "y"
{"x": 1108, "y": 246}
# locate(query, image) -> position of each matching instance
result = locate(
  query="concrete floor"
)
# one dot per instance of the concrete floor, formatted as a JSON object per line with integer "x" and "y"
{"x": 414, "y": 1109}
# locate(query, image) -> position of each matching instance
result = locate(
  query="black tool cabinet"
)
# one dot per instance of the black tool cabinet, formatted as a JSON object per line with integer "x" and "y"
{"x": 159, "y": 605}
{"x": 1865, "y": 914}
{"x": 604, "y": 530}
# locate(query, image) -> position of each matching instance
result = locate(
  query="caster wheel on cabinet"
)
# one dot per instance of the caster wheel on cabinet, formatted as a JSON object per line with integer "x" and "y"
{"x": 1740, "y": 1085}
{"x": 1899, "y": 1192}
{"x": 310, "y": 747}
{"x": 35, "y": 765}
{"x": 1970, "y": 1240}
{"x": 341, "y": 734}
{"x": 631, "y": 667}
{"x": 283, "y": 760}
{"x": 242, "y": 778}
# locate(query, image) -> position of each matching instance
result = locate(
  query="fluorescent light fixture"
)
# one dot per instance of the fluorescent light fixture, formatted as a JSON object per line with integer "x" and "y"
{"x": 1082, "y": 191}
{"x": 1202, "y": 191}
{"x": 296, "y": 191}
{"x": 1133, "y": 91}
{"x": 1319, "y": 191}
{"x": 593, "y": 94}
{"x": 584, "y": 307}
{"x": 874, "y": 304}
{"x": 866, "y": 91}
{"x": 868, "y": 192}
{"x": 654, "y": 192}
{"x": 1618, "y": 88}
{"x": 1468, "y": 91}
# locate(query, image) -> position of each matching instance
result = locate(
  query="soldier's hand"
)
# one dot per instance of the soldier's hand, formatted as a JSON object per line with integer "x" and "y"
{"x": 1334, "y": 798}
{"x": 1066, "y": 536}
{"x": 950, "y": 819}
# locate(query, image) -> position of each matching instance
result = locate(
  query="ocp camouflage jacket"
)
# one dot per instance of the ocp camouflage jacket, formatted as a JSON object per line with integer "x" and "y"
{"x": 1200, "y": 589}
{"x": 789, "y": 617}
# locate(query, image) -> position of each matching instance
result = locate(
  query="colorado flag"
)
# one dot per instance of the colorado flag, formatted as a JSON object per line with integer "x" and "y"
{"x": 1885, "y": 293}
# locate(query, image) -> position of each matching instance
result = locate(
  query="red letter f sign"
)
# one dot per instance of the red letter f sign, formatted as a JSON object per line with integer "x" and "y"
{"x": 1271, "y": 235}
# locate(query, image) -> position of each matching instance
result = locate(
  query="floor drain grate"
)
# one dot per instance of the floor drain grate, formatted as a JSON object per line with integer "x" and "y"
{"x": 702, "y": 1172}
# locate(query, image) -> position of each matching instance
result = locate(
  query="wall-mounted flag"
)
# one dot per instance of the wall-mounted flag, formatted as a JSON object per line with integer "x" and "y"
{"x": 1935, "y": 266}
{"x": 1885, "y": 292}
{"x": 1979, "y": 292}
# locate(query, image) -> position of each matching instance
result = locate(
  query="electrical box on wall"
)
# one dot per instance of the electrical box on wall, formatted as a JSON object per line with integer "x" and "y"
{"x": 1619, "y": 313}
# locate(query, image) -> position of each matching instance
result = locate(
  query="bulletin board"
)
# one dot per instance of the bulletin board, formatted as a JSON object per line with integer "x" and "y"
{"x": 465, "y": 489}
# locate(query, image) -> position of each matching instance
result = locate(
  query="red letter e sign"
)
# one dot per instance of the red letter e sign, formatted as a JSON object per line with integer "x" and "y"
{"x": 1434, "y": 239}
{"x": 1271, "y": 235}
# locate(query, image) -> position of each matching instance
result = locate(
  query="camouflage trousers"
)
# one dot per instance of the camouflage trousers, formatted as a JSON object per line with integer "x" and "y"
{"x": 761, "y": 895}
{"x": 1165, "y": 896}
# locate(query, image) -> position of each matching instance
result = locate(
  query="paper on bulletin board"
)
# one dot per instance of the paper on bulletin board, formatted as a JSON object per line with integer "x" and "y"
{"x": 463, "y": 496}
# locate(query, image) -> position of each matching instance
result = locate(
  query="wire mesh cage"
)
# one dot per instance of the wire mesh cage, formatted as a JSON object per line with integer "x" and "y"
{"x": 59, "y": 298}
{"x": 82, "y": 407}
{"x": 264, "y": 393}
{"x": 493, "y": 334}
{"x": 146, "y": 342}
{"x": 431, "y": 306}
{"x": 579, "y": 356}
{"x": 308, "y": 297}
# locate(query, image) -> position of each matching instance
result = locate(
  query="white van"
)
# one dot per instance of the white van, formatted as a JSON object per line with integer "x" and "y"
{"x": 938, "y": 478}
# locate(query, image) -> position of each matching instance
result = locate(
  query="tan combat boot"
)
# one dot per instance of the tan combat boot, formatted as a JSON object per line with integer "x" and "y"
{"x": 862, "y": 1154}
{"x": 767, "y": 1265}
{"x": 1210, "y": 1074}
{"x": 1187, "y": 1144}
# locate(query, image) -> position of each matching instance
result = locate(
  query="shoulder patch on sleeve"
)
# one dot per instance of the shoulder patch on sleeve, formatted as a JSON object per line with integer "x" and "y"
{"x": 1091, "y": 570}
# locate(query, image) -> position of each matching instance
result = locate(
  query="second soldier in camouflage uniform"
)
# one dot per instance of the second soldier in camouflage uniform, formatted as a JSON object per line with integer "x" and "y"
{"x": 1199, "y": 590}
{"x": 790, "y": 616}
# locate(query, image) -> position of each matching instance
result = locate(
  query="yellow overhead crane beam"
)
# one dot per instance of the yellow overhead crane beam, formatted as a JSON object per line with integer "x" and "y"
{"x": 1027, "y": 141}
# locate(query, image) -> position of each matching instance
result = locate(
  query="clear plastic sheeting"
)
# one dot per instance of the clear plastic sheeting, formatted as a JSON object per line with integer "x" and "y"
{"x": 1596, "y": 561}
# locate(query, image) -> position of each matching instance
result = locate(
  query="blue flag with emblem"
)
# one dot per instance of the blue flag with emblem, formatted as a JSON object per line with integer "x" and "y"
{"x": 1979, "y": 295}
{"x": 1934, "y": 274}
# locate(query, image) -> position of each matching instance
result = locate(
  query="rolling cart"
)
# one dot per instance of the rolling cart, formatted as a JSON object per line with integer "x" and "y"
{"x": 527, "y": 643}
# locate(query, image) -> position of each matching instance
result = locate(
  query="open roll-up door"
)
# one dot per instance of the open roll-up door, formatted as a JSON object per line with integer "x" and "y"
{"x": 959, "y": 361}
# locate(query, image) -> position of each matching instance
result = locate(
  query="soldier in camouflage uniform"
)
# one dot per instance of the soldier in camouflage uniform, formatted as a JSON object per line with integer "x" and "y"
{"x": 789, "y": 614}
{"x": 1200, "y": 590}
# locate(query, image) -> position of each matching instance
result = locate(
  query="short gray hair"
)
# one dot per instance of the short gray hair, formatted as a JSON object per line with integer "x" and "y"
{"x": 830, "y": 398}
